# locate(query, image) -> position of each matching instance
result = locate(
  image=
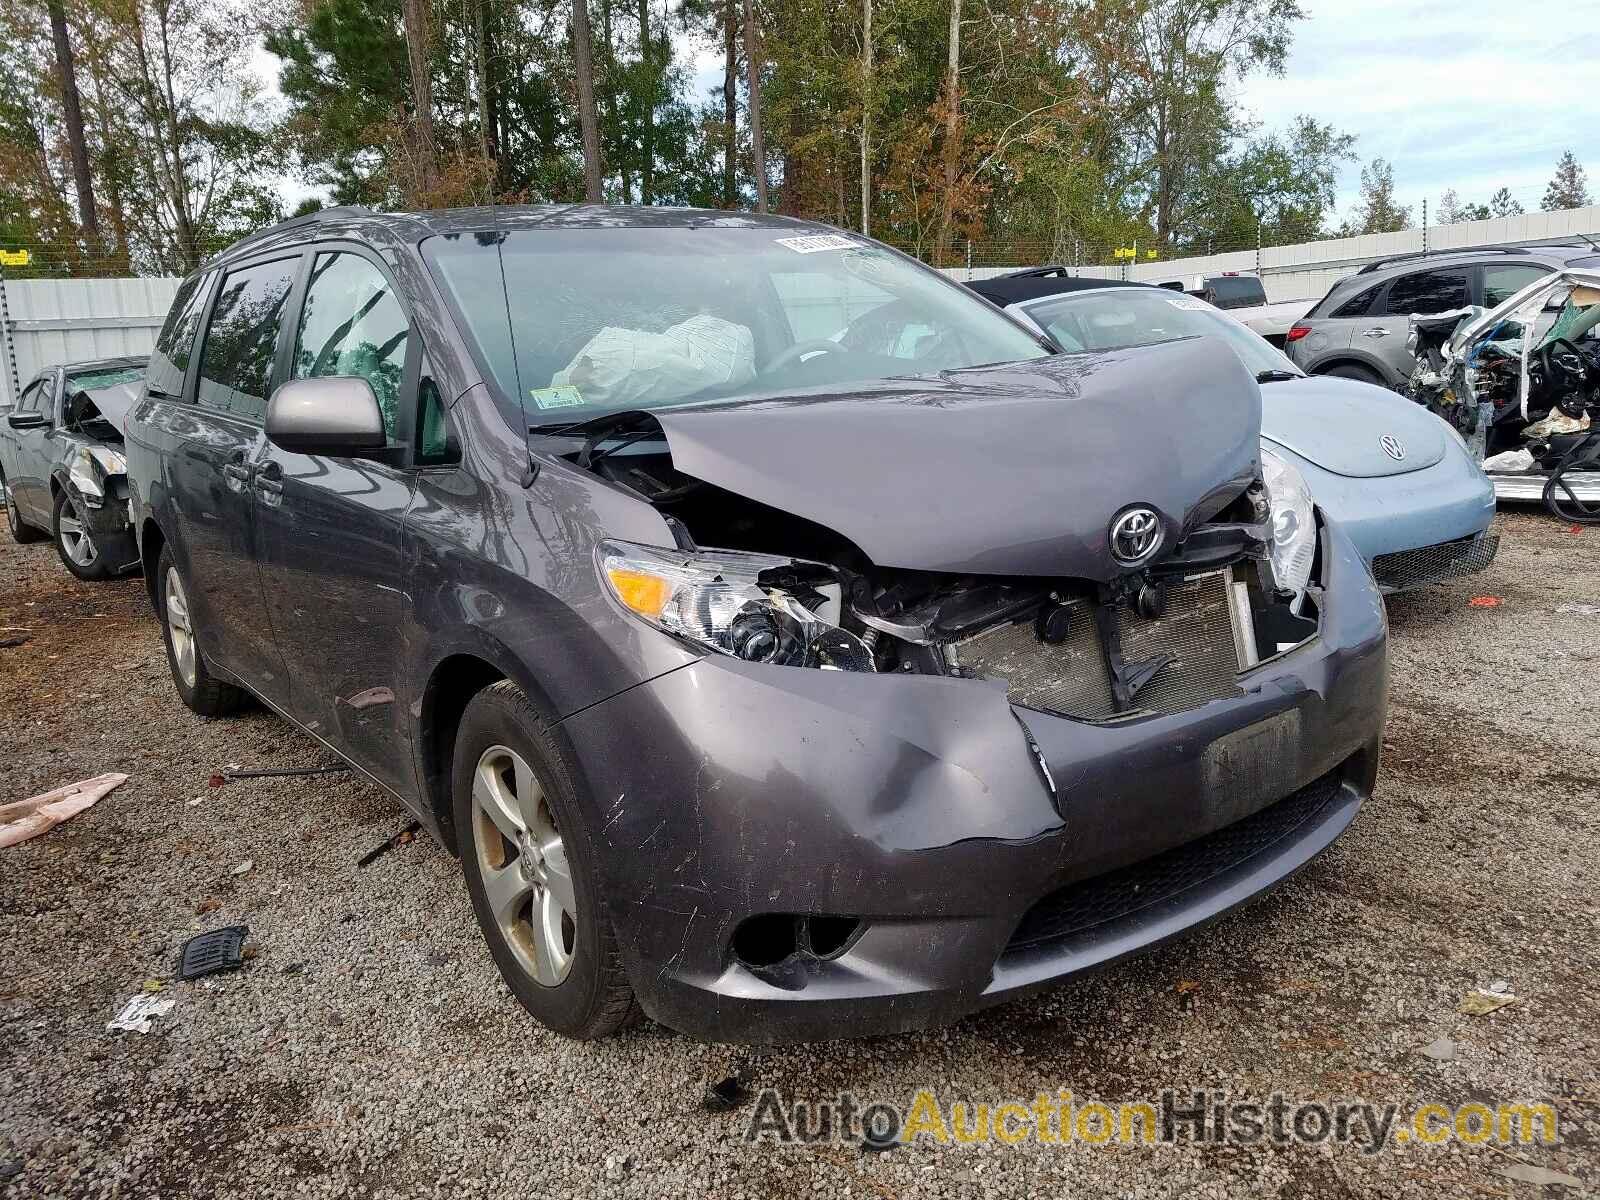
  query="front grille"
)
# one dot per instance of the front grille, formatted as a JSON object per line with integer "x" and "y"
{"x": 1072, "y": 678}
{"x": 1432, "y": 564}
{"x": 1116, "y": 894}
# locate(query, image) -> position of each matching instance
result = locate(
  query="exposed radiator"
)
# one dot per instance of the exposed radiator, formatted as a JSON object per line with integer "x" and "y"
{"x": 1072, "y": 678}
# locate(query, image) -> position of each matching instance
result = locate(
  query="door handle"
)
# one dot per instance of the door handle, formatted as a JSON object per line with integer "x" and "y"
{"x": 269, "y": 479}
{"x": 1377, "y": 331}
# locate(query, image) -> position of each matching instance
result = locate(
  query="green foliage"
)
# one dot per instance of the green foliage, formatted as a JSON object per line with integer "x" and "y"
{"x": 1569, "y": 188}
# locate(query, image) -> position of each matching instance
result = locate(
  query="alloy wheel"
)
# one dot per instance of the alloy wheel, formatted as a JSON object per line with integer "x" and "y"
{"x": 523, "y": 862}
{"x": 76, "y": 543}
{"x": 180, "y": 626}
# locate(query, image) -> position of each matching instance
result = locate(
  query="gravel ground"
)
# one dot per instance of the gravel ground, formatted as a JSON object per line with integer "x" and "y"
{"x": 368, "y": 1048}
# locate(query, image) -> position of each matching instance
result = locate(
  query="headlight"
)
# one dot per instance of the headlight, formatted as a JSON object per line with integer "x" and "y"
{"x": 720, "y": 600}
{"x": 91, "y": 466}
{"x": 1294, "y": 529}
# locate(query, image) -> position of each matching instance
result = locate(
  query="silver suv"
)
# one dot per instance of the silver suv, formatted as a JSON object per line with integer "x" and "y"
{"x": 1358, "y": 330}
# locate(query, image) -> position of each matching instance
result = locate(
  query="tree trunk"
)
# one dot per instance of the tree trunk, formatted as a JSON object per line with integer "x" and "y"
{"x": 418, "y": 18}
{"x": 730, "y": 103}
{"x": 88, "y": 217}
{"x": 486, "y": 130}
{"x": 647, "y": 135}
{"x": 588, "y": 120}
{"x": 752, "y": 62}
{"x": 952, "y": 131}
{"x": 866, "y": 117}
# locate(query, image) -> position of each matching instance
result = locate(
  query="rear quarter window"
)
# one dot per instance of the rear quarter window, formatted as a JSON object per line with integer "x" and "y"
{"x": 1358, "y": 305}
{"x": 170, "y": 358}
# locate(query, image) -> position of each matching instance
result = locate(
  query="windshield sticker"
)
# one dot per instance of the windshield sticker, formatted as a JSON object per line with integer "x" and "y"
{"x": 1179, "y": 300}
{"x": 562, "y": 396}
{"x": 812, "y": 243}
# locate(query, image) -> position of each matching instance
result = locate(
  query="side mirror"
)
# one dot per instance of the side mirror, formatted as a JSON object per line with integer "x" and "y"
{"x": 27, "y": 420}
{"x": 336, "y": 415}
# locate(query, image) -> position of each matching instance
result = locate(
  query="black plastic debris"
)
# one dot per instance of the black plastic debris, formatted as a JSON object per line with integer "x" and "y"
{"x": 208, "y": 953}
{"x": 725, "y": 1095}
{"x": 279, "y": 772}
{"x": 404, "y": 837}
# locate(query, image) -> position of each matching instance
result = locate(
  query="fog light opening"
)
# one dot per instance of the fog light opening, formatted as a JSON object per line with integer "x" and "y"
{"x": 766, "y": 940}
{"x": 772, "y": 938}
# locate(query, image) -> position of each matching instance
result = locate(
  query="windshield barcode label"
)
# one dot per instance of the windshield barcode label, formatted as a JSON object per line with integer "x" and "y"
{"x": 816, "y": 242}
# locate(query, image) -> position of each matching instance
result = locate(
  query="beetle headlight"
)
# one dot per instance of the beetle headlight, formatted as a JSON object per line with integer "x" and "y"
{"x": 724, "y": 601}
{"x": 1294, "y": 527}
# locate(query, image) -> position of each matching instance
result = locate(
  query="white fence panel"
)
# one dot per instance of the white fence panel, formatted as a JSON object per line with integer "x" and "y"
{"x": 71, "y": 320}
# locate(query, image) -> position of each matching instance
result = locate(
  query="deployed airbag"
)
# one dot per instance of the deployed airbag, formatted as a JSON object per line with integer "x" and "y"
{"x": 623, "y": 368}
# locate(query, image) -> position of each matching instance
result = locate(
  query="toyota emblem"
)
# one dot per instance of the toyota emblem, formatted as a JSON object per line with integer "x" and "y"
{"x": 1392, "y": 447}
{"x": 1135, "y": 535}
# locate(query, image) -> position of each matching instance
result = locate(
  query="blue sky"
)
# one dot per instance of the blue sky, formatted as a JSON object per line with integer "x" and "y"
{"x": 1469, "y": 94}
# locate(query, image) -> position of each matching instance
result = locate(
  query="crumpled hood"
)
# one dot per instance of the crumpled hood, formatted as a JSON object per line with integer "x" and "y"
{"x": 115, "y": 402}
{"x": 1340, "y": 424}
{"x": 1015, "y": 469}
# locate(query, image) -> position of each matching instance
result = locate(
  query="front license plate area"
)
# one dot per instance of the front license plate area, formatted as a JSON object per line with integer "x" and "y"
{"x": 1250, "y": 768}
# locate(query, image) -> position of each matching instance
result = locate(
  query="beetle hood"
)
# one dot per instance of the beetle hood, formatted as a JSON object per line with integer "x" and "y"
{"x": 1351, "y": 428}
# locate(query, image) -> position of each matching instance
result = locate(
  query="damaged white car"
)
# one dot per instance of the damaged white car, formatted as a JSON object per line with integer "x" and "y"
{"x": 1522, "y": 383}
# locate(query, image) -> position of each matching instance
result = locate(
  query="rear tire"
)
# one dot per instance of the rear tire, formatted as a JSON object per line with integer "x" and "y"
{"x": 21, "y": 532}
{"x": 532, "y": 870}
{"x": 1352, "y": 371}
{"x": 199, "y": 690}
{"x": 70, "y": 532}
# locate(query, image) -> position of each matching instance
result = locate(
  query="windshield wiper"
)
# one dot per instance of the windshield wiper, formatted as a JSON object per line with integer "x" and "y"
{"x": 1276, "y": 376}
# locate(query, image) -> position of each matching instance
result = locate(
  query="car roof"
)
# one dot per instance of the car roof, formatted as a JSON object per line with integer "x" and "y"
{"x": 92, "y": 364}
{"x": 394, "y": 228}
{"x": 1030, "y": 285}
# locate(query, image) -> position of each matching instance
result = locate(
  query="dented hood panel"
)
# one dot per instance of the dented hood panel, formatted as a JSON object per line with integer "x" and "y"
{"x": 1007, "y": 470}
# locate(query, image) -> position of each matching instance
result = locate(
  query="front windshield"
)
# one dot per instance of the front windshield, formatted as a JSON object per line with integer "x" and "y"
{"x": 580, "y": 322}
{"x": 1117, "y": 317}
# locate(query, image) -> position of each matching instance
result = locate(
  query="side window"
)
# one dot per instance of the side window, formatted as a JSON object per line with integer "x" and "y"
{"x": 352, "y": 324}
{"x": 242, "y": 338}
{"x": 1427, "y": 292}
{"x": 170, "y": 359}
{"x": 1501, "y": 281}
{"x": 1358, "y": 305}
{"x": 434, "y": 447}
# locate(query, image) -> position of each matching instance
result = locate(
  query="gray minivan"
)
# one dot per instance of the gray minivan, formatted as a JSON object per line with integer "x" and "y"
{"x": 786, "y": 639}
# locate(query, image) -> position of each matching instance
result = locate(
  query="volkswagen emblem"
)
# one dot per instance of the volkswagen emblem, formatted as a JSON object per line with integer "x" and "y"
{"x": 1135, "y": 535}
{"x": 1392, "y": 447}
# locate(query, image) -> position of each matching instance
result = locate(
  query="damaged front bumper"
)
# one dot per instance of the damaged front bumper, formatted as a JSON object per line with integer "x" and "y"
{"x": 796, "y": 854}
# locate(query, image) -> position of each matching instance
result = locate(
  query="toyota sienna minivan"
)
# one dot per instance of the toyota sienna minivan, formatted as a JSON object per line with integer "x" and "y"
{"x": 787, "y": 641}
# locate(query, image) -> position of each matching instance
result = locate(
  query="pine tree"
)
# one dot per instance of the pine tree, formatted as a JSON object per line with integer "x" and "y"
{"x": 1569, "y": 188}
{"x": 1376, "y": 211}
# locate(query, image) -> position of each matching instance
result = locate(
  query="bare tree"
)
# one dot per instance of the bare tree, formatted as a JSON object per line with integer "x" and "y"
{"x": 418, "y": 18}
{"x": 952, "y": 128}
{"x": 752, "y": 62}
{"x": 730, "y": 102}
{"x": 588, "y": 118}
{"x": 67, "y": 76}
{"x": 866, "y": 117}
{"x": 647, "y": 134}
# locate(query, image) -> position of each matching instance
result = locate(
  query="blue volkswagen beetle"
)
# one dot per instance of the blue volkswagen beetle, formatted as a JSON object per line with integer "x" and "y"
{"x": 1399, "y": 480}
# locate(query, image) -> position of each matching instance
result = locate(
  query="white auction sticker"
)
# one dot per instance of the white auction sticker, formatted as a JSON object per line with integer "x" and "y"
{"x": 812, "y": 243}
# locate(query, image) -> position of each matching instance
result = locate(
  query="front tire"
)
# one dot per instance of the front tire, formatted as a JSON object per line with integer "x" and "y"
{"x": 21, "y": 532}
{"x": 74, "y": 543}
{"x": 199, "y": 690}
{"x": 532, "y": 871}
